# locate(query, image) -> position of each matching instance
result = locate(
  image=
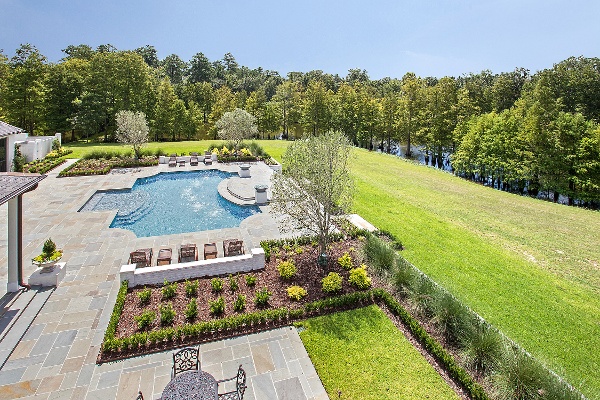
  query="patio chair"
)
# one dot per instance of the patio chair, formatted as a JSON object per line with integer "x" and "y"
{"x": 210, "y": 251}
{"x": 240, "y": 386}
{"x": 141, "y": 258}
{"x": 207, "y": 160}
{"x": 181, "y": 161}
{"x": 233, "y": 247}
{"x": 188, "y": 253}
{"x": 140, "y": 396}
{"x": 186, "y": 359}
{"x": 164, "y": 256}
{"x": 194, "y": 159}
{"x": 173, "y": 160}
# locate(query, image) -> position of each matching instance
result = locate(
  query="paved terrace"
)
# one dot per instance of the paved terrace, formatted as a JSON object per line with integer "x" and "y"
{"x": 55, "y": 359}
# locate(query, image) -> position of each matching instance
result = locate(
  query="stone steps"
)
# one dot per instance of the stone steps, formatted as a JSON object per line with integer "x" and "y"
{"x": 18, "y": 317}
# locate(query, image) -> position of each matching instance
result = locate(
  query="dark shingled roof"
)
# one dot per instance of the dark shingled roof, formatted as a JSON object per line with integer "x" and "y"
{"x": 6, "y": 129}
{"x": 13, "y": 184}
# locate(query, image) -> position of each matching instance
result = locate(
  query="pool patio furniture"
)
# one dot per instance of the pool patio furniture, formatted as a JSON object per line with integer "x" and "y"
{"x": 173, "y": 160}
{"x": 194, "y": 159}
{"x": 164, "y": 256}
{"x": 186, "y": 359}
{"x": 192, "y": 385}
{"x": 181, "y": 161}
{"x": 210, "y": 251}
{"x": 240, "y": 386}
{"x": 233, "y": 247}
{"x": 188, "y": 253}
{"x": 141, "y": 258}
{"x": 140, "y": 396}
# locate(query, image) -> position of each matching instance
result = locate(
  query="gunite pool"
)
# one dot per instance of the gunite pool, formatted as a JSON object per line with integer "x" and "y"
{"x": 171, "y": 202}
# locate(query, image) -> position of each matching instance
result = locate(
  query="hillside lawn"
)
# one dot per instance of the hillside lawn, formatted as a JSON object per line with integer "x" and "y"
{"x": 364, "y": 356}
{"x": 527, "y": 266}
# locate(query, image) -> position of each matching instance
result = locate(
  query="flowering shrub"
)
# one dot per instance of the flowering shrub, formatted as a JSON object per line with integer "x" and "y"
{"x": 102, "y": 166}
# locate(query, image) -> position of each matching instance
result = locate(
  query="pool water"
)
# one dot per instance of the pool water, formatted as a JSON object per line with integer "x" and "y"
{"x": 172, "y": 202}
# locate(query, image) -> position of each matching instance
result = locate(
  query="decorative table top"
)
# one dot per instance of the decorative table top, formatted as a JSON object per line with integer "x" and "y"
{"x": 190, "y": 385}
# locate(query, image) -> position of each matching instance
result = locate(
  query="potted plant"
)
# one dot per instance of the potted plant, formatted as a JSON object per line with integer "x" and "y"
{"x": 50, "y": 255}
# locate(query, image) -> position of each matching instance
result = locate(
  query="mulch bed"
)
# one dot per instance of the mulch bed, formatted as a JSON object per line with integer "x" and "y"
{"x": 308, "y": 276}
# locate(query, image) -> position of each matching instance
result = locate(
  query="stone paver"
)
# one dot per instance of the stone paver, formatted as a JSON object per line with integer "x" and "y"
{"x": 56, "y": 356}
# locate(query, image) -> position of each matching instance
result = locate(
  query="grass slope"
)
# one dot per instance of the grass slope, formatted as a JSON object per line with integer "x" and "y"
{"x": 362, "y": 354}
{"x": 527, "y": 266}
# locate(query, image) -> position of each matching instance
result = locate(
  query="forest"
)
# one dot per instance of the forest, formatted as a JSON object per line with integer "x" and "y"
{"x": 529, "y": 133}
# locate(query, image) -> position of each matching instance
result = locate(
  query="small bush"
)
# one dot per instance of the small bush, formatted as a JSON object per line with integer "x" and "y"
{"x": 425, "y": 296}
{"x": 145, "y": 320}
{"x": 484, "y": 349}
{"x": 167, "y": 314}
{"x": 262, "y": 297}
{"x": 233, "y": 283}
{"x": 191, "y": 288}
{"x": 405, "y": 276}
{"x": 251, "y": 280}
{"x": 359, "y": 278}
{"x": 169, "y": 290}
{"x": 240, "y": 303}
{"x": 453, "y": 319}
{"x": 217, "y": 307}
{"x": 216, "y": 284}
{"x": 191, "y": 311}
{"x": 296, "y": 292}
{"x": 345, "y": 261}
{"x": 144, "y": 296}
{"x": 332, "y": 283}
{"x": 286, "y": 269}
{"x": 378, "y": 254}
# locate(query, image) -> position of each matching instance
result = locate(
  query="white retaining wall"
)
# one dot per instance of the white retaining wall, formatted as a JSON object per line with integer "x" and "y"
{"x": 36, "y": 147}
{"x": 195, "y": 269}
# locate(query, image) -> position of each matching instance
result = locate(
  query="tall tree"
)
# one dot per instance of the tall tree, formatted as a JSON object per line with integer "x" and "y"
{"x": 174, "y": 68}
{"x": 224, "y": 101}
{"x": 316, "y": 108}
{"x": 287, "y": 97}
{"x": 200, "y": 69}
{"x": 132, "y": 129}
{"x": 235, "y": 126}
{"x": 82, "y": 51}
{"x": 409, "y": 109}
{"x": 24, "y": 91}
{"x": 149, "y": 55}
{"x": 165, "y": 111}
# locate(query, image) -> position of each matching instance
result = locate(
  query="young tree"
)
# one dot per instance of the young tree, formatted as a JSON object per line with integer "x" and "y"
{"x": 315, "y": 188}
{"x": 236, "y": 126}
{"x": 132, "y": 129}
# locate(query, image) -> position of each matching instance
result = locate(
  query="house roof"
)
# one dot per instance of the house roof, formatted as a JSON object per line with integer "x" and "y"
{"x": 6, "y": 129}
{"x": 13, "y": 184}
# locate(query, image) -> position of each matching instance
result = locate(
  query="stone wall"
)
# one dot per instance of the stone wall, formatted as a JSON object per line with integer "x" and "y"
{"x": 177, "y": 272}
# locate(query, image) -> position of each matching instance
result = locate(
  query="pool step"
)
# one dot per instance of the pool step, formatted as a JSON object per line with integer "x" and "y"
{"x": 134, "y": 215}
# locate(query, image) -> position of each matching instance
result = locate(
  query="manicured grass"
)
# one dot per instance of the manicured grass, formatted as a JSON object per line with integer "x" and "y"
{"x": 276, "y": 147}
{"x": 529, "y": 267}
{"x": 362, "y": 354}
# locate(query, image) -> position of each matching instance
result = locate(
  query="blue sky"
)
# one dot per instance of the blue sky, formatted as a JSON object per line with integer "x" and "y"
{"x": 387, "y": 38}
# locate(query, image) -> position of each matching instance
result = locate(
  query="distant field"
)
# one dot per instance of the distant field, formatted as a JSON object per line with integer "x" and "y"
{"x": 364, "y": 356}
{"x": 530, "y": 267}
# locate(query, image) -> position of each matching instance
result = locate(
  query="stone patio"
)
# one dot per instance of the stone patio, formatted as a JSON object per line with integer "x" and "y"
{"x": 55, "y": 359}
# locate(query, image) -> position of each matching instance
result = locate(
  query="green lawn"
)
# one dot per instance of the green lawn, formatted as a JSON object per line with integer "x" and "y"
{"x": 532, "y": 268}
{"x": 362, "y": 354}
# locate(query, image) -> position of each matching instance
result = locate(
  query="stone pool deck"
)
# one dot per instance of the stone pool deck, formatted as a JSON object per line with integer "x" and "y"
{"x": 55, "y": 359}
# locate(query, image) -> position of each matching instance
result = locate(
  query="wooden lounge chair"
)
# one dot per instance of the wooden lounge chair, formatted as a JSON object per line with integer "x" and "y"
{"x": 233, "y": 247}
{"x": 240, "y": 386}
{"x": 194, "y": 159}
{"x": 141, "y": 258}
{"x": 188, "y": 253}
{"x": 164, "y": 256}
{"x": 181, "y": 161}
{"x": 186, "y": 359}
{"x": 173, "y": 160}
{"x": 210, "y": 251}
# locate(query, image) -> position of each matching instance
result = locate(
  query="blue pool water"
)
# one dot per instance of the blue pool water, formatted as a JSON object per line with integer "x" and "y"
{"x": 172, "y": 202}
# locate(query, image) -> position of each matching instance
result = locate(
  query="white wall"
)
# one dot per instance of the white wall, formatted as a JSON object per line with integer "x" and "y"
{"x": 195, "y": 269}
{"x": 36, "y": 147}
{"x": 10, "y": 146}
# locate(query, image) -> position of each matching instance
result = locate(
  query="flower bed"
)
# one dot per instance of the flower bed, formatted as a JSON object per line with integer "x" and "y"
{"x": 51, "y": 161}
{"x": 102, "y": 166}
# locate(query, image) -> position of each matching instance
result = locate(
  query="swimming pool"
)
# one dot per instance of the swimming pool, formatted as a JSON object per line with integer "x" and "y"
{"x": 172, "y": 202}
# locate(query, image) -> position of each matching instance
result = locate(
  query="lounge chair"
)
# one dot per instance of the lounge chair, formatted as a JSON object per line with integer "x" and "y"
{"x": 141, "y": 257}
{"x": 181, "y": 161}
{"x": 188, "y": 253}
{"x": 233, "y": 247}
{"x": 194, "y": 159}
{"x": 164, "y": 256}
{"x": 173, "y": 160}
{"x": 207, "y": 160}
{"x": 210, "y": 251}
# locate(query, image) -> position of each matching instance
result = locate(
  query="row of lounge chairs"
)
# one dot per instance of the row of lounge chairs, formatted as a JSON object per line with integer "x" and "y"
{"x": 174, "y": 161}
{"x": 186, "y": 253}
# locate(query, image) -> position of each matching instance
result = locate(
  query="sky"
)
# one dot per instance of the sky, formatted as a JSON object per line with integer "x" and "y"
{"x": 386, "y": 38}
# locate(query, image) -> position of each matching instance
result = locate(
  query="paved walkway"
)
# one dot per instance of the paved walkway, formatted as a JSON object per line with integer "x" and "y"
{"x": 56, "y": 357}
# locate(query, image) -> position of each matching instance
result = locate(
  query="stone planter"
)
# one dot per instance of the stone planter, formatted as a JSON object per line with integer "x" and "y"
{"x": 47, "y": 266}
{"x": 244, "y": 171}
{"x": 260, "y": 194}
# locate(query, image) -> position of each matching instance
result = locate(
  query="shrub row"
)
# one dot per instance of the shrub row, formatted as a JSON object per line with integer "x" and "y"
{"x": 102, "y": 166}
{"x": 51, "y": 161}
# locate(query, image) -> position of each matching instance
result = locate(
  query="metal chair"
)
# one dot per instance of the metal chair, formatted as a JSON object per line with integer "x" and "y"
{"x": 140, "y": 396}
{"x": 240, "y": 386}
{"x": 186, "y": 359}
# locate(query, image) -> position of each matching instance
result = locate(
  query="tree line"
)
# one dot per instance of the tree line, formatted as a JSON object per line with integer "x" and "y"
{"x": 516, "y": 131}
